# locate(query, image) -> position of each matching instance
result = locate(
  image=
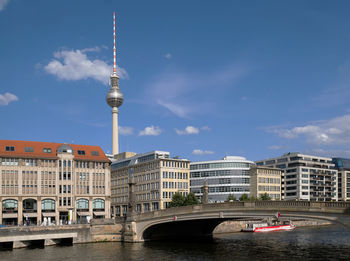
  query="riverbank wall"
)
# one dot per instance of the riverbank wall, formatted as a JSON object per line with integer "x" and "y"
{"x": 19, "y": 237}
{"x": 237, "y": 226}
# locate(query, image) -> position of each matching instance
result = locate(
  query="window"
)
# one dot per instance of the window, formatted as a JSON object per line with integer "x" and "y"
{"x": 9, "y": 204}
{"x": 82, "y": 204}
{"x": 47, "y": 150}
{"x": 48, "y": 204}
{"x": 81, "y": 152}
{"x": 10, "y": 148}
{"x": 28, "y": 149}
{"x": 98, "y": 204}
{"x": 94, "y": 153}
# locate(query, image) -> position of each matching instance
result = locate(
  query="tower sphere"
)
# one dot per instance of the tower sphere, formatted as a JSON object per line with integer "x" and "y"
{"x": 114, "y": 97}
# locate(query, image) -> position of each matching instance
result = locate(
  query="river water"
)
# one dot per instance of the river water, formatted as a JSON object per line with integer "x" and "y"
{"x": 316, "y": 243}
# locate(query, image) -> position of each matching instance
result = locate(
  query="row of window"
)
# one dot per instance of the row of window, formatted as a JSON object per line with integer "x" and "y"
{"x": 175, "y": 164}
{"x": 174, "y": 185}
{"x": 222, "y": 165}
{"x": 269, "y": 180}
{"x": 216, "y": 173}
{"x": 269, "y": 188}
{"x": 174, "y": 175}
{"x": 48, "y": 150}
{"x": 62, "y": 163}
{"x": 148, "y": 196}
{"x": 170, "y": 194}
{"x": 148, "y": 186}
{"x": 146, "y": 177}
{"x": 9, "y": 162}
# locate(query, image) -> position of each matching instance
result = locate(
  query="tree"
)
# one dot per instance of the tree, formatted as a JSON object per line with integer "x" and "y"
{"x": 265, "y": 197}
{"x": 190, "y": 199}
{"x": 244, "y": 197}
{"x": 231, "y": 197}
{"x": 177, "y": 200}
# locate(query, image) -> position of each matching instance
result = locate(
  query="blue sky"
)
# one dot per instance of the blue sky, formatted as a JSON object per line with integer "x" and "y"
{"x": 201, "y": 79}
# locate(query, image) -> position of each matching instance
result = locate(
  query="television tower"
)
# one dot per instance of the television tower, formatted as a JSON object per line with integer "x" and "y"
{"x": 114, "y": 97}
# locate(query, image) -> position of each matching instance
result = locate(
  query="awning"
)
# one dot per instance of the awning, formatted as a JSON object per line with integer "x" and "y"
{"x": 99, "y": 213}
{"x": 30, "y": 215}
{"x": 49, "y": 214}
{"x": 9, "y": 215}
{"x": 82, "y": 214}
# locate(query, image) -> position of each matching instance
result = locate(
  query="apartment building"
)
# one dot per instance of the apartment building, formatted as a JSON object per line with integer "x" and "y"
{"x": 157, "y": 177}
{"x": 343, "y": 167}
{"x": 52, "y": 182}
{"x": 305, "y": 177}
{"x": 265, "y": 180}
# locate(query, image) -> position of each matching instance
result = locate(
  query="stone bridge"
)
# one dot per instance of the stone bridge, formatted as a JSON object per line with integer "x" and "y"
{"x": 201, "y": 220}
{"x": 40, "y": 236}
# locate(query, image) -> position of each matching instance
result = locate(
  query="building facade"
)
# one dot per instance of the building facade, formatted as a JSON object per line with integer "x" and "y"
{"x": 52, "y": 182}
{"x": 343, "y": 167}
{"x": 265, "y": 180}
{"x": 305, "y": 177}
{"x": 157, "y": 178}
{"x": 224, "y": 177}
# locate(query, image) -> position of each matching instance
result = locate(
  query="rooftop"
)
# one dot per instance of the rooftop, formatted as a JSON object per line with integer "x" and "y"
{"x": 49, "y": 150}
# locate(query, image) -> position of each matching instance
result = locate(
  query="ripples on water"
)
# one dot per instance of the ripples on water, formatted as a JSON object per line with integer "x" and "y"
{"x": 325, "y": 243}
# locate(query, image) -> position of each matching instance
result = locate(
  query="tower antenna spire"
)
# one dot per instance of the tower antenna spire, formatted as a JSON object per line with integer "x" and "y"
{"x": 114, "y": 50}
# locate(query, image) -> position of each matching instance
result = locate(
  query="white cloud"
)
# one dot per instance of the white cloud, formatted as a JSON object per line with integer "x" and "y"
{"x": 184, "y": 93}
{"x": 329, "y": 152}
{"x": 6, "y": 98}
{"x": 202, "y": 152}
{"x": 75, "y": 65}
{"x": 150, "y": 131}
{"x": 179, "y": 110}
{"x": 3, "y": 3}
{"x": 276, "y": 147}
{"x": 168, "y": 56}
{"x": 187, "y": 131}
{"x": 124, "y": 130}
{"x": 205, "y": 128}
{"x": 335, "y": 131}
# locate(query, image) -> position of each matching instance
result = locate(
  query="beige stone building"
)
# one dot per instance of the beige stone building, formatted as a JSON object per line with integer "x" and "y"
{"x": 52, "y": 182}
{"x": 265, "y": 180}
{"x": 157, "y": 177}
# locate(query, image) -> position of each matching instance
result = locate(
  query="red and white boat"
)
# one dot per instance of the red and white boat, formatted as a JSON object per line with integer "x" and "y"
{"x": 275, "y": 225}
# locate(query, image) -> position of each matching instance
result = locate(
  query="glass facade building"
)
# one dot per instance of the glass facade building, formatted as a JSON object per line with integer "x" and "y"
{"x": 224, "y": 177}
{"x": 343, "y": 167}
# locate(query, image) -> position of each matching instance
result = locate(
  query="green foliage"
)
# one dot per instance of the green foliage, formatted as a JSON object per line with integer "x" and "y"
{"x": 179, "y": 200}
{"x": 190, "y": 199}
{"x": 231, "y": 197}
{"x": 244, "y": 197}
{"x": 265, "y": 197}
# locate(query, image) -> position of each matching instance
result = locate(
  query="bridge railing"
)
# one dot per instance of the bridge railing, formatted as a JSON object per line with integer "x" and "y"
{"x": 339, "y": 207}
{"x": 281, "y": 204}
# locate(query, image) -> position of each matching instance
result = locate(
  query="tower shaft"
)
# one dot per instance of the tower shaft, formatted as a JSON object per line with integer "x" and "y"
{"x": 115, "y": 137}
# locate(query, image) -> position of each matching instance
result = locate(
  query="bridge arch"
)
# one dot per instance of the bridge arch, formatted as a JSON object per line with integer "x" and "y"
{"x": 181, "y": 230}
